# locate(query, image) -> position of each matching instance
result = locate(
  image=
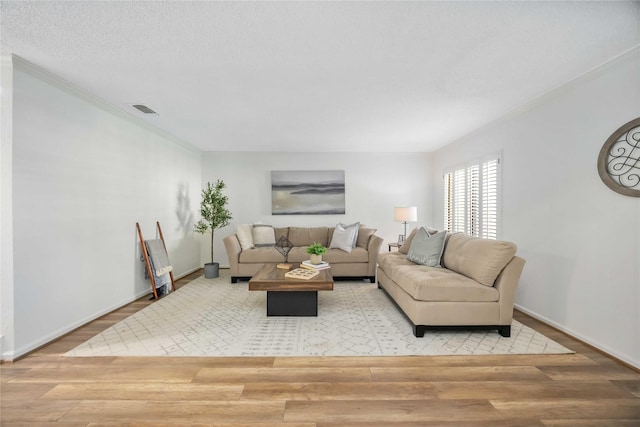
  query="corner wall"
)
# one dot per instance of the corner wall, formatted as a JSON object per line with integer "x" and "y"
{"x": 375, "y": 184}
{"x": 580, "y": 239}
{"x": 6, "y": 214}
{"x": 83, "y": 175}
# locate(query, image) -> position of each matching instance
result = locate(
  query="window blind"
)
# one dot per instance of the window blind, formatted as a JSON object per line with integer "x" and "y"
{"x": 471, "y": 199}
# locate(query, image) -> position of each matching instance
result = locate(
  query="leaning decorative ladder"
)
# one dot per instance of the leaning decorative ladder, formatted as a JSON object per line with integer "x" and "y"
{"x": 147, "y": 263}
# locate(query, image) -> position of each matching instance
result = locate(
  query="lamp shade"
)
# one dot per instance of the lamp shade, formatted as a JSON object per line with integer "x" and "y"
{"x": 406, "y": 214}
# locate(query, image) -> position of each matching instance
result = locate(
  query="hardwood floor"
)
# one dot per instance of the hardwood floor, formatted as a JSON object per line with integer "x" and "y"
{"x": 585, "y": 389}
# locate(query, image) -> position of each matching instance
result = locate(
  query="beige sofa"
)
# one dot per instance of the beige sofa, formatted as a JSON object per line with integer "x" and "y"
{"x": 360, "y": 263}
{"x": 474, "y": 289}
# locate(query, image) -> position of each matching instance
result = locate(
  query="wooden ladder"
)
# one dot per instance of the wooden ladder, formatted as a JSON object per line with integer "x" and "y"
{"x": 145, "y": 254}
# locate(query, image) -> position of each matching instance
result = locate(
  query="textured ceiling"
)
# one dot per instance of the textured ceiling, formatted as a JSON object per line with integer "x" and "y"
{"x": 319, "y": 76}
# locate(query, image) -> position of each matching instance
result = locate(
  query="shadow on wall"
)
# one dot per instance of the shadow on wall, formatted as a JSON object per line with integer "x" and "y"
{"x": 183, "y": 210}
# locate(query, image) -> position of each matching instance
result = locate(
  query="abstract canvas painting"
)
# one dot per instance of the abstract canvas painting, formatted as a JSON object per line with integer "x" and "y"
{"x": 307, "y": 192}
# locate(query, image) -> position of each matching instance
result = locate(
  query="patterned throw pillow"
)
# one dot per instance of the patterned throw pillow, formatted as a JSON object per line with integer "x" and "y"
{"x": 426, "y": 249}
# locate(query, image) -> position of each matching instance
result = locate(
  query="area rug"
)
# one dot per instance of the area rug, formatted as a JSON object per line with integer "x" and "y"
{"x": 212, "y": 317}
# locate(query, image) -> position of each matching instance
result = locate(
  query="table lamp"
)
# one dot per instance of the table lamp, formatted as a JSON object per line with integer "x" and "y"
{"x": 404, "y": 215}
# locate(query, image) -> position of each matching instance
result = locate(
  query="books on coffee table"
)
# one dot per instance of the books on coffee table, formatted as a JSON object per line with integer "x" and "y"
{"x": 301, "y": 273}
{"x": 284, "y": 266}
{"x": 309, "y": 265}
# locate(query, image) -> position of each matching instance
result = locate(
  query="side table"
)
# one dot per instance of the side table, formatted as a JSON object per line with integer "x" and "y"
{"x": 394, "y": 245}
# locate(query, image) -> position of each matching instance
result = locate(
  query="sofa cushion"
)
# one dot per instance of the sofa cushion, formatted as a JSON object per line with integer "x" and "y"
{"x": 333, "y": 256}
{"x": 263, "y": 235}
{"x": 439, "y": 284}
{"x": 427, "y": 249}
{"x": 260, "y": 255}
{"x": 364, "y": 235}
{"x": 338, "y": 256}
{"x": 298, "y": 254}
{"x": 281, "y": 231}
{"x": 245, "y": 236}
{"x": 388, "y": 260}
{"x": 306, "y": 236}
{"x": 479, "y": 259}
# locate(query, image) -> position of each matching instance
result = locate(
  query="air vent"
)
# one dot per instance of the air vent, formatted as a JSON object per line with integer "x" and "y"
{"x": 144, "y": 109}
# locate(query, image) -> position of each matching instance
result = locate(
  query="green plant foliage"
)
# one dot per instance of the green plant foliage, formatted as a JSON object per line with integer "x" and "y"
{"x": 316, "y": 249}
{"x": 213, "y": 210}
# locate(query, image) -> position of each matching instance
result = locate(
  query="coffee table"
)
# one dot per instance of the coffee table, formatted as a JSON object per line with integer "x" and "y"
{"x": 290, "y": 297}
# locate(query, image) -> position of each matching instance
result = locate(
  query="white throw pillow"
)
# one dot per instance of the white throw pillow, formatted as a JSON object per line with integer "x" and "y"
{"x": 245, "y": 236}
{"x": 343, "y": 238}
{"x": 263, "y": 235}
{"x": 355, "y": 225}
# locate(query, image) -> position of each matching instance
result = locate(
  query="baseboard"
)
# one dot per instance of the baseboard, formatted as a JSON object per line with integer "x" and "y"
{"x": 48, "y": 339}
{"x": 222, "y": 267}
{"x": 188, "y": 272}
{"x": 4, "y": 356}
{"x": 625, "y": 359}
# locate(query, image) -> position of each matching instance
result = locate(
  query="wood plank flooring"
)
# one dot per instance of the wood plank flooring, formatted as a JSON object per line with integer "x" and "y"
{"x": 586, "y": 389}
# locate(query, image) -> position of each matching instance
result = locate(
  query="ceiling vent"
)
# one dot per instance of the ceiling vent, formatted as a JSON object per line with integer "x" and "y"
{"x": 144, "y": 109}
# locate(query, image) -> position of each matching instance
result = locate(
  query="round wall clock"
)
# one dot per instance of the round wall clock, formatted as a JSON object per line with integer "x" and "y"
{"x": 619, "y": 160}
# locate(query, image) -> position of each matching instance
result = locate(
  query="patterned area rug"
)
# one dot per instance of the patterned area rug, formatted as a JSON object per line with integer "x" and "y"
{"x": 216, "y": 318}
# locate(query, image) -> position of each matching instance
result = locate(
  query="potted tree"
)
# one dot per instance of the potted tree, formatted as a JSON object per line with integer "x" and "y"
{"x": 214, "y": 212}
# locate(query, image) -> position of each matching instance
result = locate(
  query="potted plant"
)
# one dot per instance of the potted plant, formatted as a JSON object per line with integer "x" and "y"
{"x": 214, "y": 212}
{"x": 316, "y": 251}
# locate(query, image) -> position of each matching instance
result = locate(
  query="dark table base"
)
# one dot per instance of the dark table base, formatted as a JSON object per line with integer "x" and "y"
{"x": 292, "y": 303}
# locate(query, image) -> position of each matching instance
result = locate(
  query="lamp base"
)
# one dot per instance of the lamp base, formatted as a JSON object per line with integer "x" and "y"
{"x": 401, "y": 239}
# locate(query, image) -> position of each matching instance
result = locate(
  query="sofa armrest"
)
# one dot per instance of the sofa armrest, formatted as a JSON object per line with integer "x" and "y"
{"x": 506, "y": 284}
{"x": 233, "y": 248}
{"x": 375, "y": 243}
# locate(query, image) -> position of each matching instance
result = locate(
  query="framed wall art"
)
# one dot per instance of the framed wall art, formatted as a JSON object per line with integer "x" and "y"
{"x": 619, "y": 160}
{"x": 307, "y": 192}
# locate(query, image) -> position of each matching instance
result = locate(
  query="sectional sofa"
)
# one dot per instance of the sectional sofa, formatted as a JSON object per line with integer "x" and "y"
{"x": 358, "y": 263}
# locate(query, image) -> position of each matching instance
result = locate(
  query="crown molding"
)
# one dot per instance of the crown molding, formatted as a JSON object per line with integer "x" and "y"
{"x": 23, "y": 65}
{"x": 564, "y": 88}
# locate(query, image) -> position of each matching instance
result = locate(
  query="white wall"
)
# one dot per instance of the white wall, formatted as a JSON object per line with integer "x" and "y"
{"x": 83, "y": 175}
{"x": 375, "y": 184}
{"x": 580, "y": 239}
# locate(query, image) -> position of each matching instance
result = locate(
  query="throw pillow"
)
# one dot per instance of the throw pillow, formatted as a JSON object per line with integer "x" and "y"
{"x": 263, "y": 236}
{"x": 426, "y": 249}
{"x": 404, "y": 249}
{"x": 355, "y": 225}
{"x": 245, "y": 236}
{"x": 364, "y": 235}
{"x": 343, "y": 238}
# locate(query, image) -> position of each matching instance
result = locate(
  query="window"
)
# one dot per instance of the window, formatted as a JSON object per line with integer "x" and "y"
{"x": 471, "y": 199}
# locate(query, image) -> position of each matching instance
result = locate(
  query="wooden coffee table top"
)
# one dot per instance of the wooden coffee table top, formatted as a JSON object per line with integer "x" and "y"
{"x": 271, "y": 278}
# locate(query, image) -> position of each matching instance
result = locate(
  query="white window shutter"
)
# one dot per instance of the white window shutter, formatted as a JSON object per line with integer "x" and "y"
{"x": 471, "y": 199}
